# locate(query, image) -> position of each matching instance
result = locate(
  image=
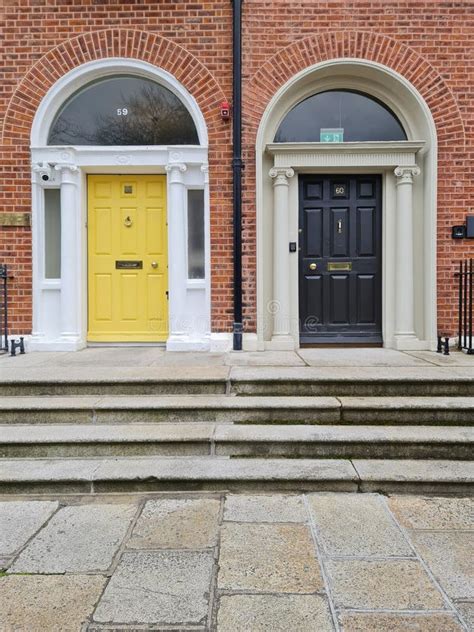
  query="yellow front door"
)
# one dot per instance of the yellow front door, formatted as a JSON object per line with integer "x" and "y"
{"x": 128, "y": 262}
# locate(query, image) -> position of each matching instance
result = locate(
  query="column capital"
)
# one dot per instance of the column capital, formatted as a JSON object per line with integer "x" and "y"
{"x": 68, "y": 172}
{"x": 176, "y": 170}
{"x": 405, "y": 174}
{"x": 280, "y": 175}
{"x": 205, "y": 171}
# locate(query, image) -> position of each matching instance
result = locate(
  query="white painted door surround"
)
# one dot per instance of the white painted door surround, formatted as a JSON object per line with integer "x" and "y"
{"x": 408, "y": 170}
{"x": 60, "y": 305}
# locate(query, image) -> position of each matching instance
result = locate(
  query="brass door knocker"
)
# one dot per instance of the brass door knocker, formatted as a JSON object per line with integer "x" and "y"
{"x": 128, "y": 221}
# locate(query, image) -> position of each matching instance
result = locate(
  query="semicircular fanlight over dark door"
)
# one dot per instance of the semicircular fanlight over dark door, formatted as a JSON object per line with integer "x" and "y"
{"x": 357, "y": 116}
{"x": 123, "y": 110}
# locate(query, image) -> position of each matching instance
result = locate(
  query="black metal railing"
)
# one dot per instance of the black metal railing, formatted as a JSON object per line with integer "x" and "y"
{"x": 465, "y": 278}
{"x": 3, "y": 308}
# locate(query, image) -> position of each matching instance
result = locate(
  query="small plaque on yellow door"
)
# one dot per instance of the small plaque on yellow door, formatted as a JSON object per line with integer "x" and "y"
{"x": 15, "y": 219}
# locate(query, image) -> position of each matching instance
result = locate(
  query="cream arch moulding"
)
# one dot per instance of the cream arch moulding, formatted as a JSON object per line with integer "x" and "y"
{"x": 398, "y": 162}
{"x": 60, "y": 305}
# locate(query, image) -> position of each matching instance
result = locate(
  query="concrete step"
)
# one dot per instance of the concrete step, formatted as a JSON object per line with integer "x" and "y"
{"x": 225, "y": 409}
{"x": 283, "y": 441}
{"x": 96, "y": 475}
{"x": 264, "y": 380}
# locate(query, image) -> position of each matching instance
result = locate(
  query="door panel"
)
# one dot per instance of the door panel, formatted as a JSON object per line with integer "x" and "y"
{"x": 340, "y": 259}
{"x": 127, "y": 258}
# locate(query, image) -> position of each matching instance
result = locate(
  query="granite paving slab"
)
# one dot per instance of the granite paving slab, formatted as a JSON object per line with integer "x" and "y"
{"x": 20, "y": 520}
{"x": 414, "y": 512}
{"x": 168, "y": 587}
{"x": 355, "y": 524}
{"x": 450, "y": 557}
{"x": 43, "y": 603}
{"x": 384, "y": 622}
{"x": 382, "y": 585}
{"x": 264, "y": 508}
{"x": 268, "y": 558}
{"x": 77, "y": 539}
{"x": 278, "y": 613}
{"x": 466, "y": 610}
{"x": 169, "y": 523}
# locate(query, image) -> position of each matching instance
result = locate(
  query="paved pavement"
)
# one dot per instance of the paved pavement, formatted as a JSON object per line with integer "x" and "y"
{"x": 156, "y": 357}
{"x": 237, "y": 563}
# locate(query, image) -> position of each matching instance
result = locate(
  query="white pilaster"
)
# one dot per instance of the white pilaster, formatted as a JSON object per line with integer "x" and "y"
{"x": 37, "y": 232}
{"x": 207, "y": 247}
{"x": 405, "y": 337}
{"x": 70, "y": 264}
{"x": 177, "y": 272}
{"x": 280, "y": 305}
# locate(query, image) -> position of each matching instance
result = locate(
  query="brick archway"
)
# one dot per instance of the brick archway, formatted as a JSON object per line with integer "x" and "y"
{"x": 288, "y": 61}
{"x": 149, "y": 47}
{"x": 188, "y": 70}
{"x": 364, "y": 46}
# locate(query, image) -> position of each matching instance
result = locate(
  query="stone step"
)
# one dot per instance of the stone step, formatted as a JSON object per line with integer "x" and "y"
{"x": 357, "y": 381}
{"x": 96, "y": 475}
{"x": 264, "y": 380}
{"x": 169, "y": 408}
{"x": 186, "y": 439}
{"x": 222, "y": 409}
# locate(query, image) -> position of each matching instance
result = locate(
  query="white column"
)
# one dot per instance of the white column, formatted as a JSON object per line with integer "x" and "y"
{"x": 177, "y": 272}
{"x": 405, "y": 337}
{"x": 70, "y": 240}
{"x": 280, "y": 305}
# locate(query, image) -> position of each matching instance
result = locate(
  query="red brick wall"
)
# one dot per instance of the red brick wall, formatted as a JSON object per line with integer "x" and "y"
{"x": 40, "y": 40}
{"x": 430, "y": 43}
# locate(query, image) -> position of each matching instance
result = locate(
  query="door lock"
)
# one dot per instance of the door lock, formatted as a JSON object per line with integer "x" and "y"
{"x": 154, "y": 264}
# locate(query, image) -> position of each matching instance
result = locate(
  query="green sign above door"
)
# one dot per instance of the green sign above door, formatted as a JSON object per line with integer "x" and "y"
{"x": 331, "y": 135}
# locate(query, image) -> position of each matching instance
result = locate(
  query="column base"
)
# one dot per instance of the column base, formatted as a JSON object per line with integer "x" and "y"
{"x": 182, "y": 342}
{"x": 408, "y": 342}
{"x": 281, "y": 342}
{"x": 63, "y": 343}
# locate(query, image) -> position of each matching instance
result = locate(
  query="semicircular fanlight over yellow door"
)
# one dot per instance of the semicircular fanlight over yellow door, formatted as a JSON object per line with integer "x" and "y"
{"x": 127, "y": 258}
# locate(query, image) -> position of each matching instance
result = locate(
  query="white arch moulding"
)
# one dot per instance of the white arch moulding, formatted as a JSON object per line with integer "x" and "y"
{"x": 60, "y": 305}
{"x": 409, "y": 176}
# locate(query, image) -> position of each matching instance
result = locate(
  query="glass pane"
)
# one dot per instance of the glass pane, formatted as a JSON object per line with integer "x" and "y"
{"x": 123, "y": 110}
{"x": 52, "y": 234}
{"x": 361, "y": 118}
{"x": 196, "y": 234}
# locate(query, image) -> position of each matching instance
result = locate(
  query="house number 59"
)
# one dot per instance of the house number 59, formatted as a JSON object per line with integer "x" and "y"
{"x": 122, "y": 111}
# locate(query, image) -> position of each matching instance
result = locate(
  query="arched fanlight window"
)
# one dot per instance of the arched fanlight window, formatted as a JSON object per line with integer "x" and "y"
{"x": 123, "y": 110}
{"x": 340, "y": 115}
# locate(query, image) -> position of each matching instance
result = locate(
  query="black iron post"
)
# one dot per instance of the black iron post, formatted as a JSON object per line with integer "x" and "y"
{"x": 4, "y": 306}
{"x": 237, "y": 167}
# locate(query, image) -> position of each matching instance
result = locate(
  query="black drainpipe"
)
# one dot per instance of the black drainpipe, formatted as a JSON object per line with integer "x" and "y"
{"x": 237, "y": 167}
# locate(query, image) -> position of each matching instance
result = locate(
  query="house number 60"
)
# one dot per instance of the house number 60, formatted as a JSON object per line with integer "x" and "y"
{"x": 122, "y": 111}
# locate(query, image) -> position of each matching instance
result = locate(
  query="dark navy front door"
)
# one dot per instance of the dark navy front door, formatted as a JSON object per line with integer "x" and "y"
{"x": 340, "y": 271}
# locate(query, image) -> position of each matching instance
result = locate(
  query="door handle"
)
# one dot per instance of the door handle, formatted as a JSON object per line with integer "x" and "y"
{"x": 154, "y": 264}
{"x": 313, "y": 266}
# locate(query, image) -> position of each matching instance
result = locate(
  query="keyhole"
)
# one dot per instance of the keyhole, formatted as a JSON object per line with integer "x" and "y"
{"x": 339, "y": 226}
